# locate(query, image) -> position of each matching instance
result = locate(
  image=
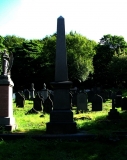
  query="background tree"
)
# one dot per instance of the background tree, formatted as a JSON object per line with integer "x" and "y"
{"x": 108, "y": 46}
{"x": 80, "y": 52}
{"x": 118, "y": 70}
{"x": 12, "y": 41}
{"x": 26, "y": 64}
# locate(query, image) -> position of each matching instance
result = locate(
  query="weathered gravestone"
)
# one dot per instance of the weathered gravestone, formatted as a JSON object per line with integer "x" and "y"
{"x": 44, "y": 92}
{"x": 90, "y": 95}
{"x": 20, "y": 100}
{"x": 27, "y": 94}
{"x": 124, "y": 103}
{"x": 73, "y": 92}
{"x": 32, "y": 91}
{"x": 48, "y": 105}
{"x": 7, "y": 121}
{"x": 102, "y": 93}
{"x": 38, "y": 103}
{"x": 113, "y": 114}
{"x": 118, "y": 99}
{"x": 97, "y": 103}
{"x": 61, "y": 118}
{"x": 74, "y": 98}
{"x": 82, "y": 102}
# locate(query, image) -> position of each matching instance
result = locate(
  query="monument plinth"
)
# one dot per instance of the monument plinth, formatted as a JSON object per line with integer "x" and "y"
{"x": 7, "y": 121}
{"x": 61, "y": 118}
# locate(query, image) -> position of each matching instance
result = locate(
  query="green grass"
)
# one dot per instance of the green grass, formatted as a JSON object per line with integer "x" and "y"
{"x": 105, "y": 148}
{"x": 31, "y": 149}
{"x": 90, "y": 121}
{"x": 31, "y": 123}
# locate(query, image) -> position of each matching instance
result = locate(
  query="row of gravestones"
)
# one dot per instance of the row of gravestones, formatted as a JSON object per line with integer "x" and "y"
{"x": 29, "y": 95}
{"x": 90, "y": 94}
{"x": 80, "y": 100}
{"x": 40, "y": 103}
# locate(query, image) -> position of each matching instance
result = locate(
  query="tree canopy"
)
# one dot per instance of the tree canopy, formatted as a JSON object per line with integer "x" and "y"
{"x": 34, "y": 60}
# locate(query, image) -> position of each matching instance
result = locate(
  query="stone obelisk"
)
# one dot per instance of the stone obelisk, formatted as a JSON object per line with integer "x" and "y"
{"x": 61, "y": 118}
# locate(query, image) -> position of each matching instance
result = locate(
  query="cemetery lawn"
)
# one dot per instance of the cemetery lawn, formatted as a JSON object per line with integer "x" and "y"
{"x": 105, "y": 145}
{"x": 91, "y": 122}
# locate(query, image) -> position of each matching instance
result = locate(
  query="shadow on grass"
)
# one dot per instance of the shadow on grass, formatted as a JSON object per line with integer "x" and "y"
{"x": 98, "y": 126}
{"x": 102, "y": 125}
{"x": 95, "y": 149}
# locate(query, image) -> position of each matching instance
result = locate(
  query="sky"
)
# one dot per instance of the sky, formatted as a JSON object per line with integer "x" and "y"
{"x": 36, "y": 19}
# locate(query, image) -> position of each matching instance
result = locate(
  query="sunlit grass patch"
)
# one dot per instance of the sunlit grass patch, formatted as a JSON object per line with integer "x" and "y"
{"x": 90, "y": 121}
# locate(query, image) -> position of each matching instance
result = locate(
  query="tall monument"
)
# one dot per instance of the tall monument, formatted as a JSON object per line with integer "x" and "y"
{"x": 7, "y": 121}
{"x": 61, "y": 118}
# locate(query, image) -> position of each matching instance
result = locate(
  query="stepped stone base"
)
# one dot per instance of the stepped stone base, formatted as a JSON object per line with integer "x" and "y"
{"x": 61, "y": 128}
{"x": 61, "y": 121}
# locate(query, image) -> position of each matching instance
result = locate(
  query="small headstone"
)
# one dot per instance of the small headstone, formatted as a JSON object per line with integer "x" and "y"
{"x": 38, "y": 103}
{"x": 97, "y": 103}
{"x": 48, "y": 105}
{"x": 113, "y": 114}
{"x": 124, "y": 103}
{"x": 32, "y": 90}
{"x": 74, "y": 99}
{"x": 90, "y": 96}
{"x": 81, "y": 102}
{"x": 102, "y": 94}
{"x": 20, "y": 100}
{"x": 44, "y": 92}
{"x": 27, "y": 94}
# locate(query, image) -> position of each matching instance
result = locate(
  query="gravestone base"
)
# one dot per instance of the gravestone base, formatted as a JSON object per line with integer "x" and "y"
{"x": 61, "y": 128}
{"x": 61, "y": 116}
{"x": 61, "y": 121}
{"x": 7, "y": 123}
{"x": 113, "y": 114}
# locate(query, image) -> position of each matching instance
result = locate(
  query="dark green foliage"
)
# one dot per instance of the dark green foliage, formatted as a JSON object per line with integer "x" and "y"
{"x": 34, "y": 60}
{"x": 118, "y": 69}
{"x": 26, "y": 62}
{"x": 109, "y": 45}
{"x": 80, "y": 52}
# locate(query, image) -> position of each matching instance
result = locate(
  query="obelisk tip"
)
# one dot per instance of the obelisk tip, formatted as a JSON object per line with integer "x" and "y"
{"x": 60, "y": 17}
